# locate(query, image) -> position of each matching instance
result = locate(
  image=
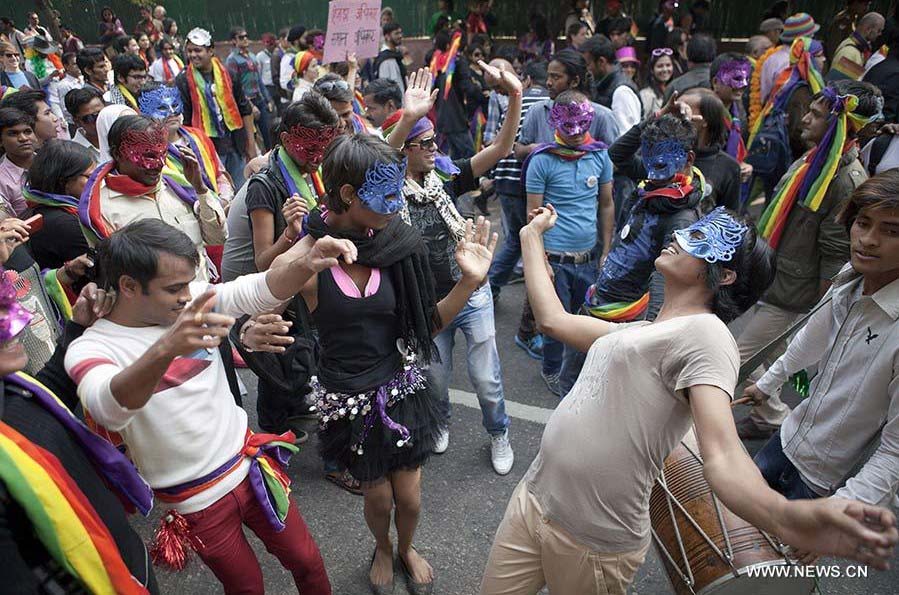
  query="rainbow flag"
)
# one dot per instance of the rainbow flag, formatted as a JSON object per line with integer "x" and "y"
{"x": 204, "y": 100}
{"x": 478, "y": 123}
{"x": 617, "y": 311}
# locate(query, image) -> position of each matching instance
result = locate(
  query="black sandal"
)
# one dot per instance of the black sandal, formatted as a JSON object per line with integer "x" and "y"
{"x": 415, "y": 588}
{"x": 345, "y": 481}
{"x": 380, "y": 589}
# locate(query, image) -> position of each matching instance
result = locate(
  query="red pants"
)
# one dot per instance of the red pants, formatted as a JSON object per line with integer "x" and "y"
{"x": 225, "y": 550}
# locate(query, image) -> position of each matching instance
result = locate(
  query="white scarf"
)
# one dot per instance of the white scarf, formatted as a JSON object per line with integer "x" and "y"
{"x": 432, "y": 191}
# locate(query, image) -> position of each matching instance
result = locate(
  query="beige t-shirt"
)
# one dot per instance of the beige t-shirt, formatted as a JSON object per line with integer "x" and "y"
{"x": 604, "y": 445}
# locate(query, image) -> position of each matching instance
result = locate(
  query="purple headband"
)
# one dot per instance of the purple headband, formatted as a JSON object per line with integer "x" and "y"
{"x": 423, "y": 125}
{"x": 571, "y": 118}
{"x": 734, "y": 74}
{"x": 17, "y": 317}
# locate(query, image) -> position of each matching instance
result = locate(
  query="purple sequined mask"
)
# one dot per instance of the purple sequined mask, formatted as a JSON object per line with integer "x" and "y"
{"x": 663, "y": 159}
{"x": 14, "y": 318}
{"x": 571, "y": 119}
{"x": 382, "y": 191}
{"x": 713, "y": 238}
{"x": 734, "y": 74}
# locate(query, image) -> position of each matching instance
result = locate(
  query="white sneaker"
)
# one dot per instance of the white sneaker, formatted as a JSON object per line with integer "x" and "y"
{"x": 442, "y": 442}
{"x": 501, "y": 454}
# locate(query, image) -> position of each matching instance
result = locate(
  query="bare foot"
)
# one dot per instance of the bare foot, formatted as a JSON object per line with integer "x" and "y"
{"x": 418, "y": 567}
{"x": 381, "y": 572}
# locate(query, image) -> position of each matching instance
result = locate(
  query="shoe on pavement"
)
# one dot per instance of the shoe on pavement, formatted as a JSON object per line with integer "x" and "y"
{"x": 442, "y": 442}
{"x": 517, "y": 276}
{"x": 750, "y": 429}
{"x": 501, "y": 454}
{"x": 552, "y": 383}
{"x": 533, "y": 346}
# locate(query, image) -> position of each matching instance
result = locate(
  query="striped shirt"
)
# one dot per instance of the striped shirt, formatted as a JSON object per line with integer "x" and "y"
{"x": 507, "y": 173}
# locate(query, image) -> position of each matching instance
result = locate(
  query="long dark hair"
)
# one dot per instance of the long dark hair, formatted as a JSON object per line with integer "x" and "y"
{"x": 56, "y": 163}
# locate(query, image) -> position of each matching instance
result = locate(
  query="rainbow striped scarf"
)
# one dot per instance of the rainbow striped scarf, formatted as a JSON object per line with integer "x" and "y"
{"x": 296, "y": 181}
{"x": 94, "y": 226}
{"x": 208, "y": 105}
{"x": 202, "y": 147}
{"x": 617, "y": 311}
{"x": 809, "y": 181}
{"x": 802, "y": 70}
{"x": 478, "y": 123}
{"x": 446, "y": 62}
{"x": 62, "y": 201}
{"x": 735, "y": 147}
{"x": 167, "y": 73}
{"x": 128, "y": 96}
{"x": 566, "y": 152}
{"x": 62, "y": 516}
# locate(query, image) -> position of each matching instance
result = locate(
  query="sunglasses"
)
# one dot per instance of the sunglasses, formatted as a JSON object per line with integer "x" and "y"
{"x": 89, "y": 118}
{"x": 662, "y": 52}
{"x": 244, "y": 36}
{"x": 11, "y": 55}
{"x": 426, "y": 144}
{"x": 328, "y": 86}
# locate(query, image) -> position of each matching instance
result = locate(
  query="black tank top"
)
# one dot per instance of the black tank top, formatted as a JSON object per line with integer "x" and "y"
{"x": 357, "y": 336}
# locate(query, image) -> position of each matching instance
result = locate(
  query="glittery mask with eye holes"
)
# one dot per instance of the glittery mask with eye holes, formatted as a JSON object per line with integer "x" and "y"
{"x": 663, "y": 159}
{"x": 734, "y": 74}
{"x": 309, "y": 144}
{"x": 382, "y": 191}
{"x": 571, "y": 119}
{"x": 144, "y": 148}
{"x": 13, "y": 317}
{"x": 160, "y": 103}
{"x": 713, "y": 238}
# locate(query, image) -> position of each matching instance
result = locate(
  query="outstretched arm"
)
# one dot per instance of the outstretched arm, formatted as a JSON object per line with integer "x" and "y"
{"x": 826, "y": 526}
{"x": 577, "y": 331}
{"x": 502, "y": 145}
{"x": 417, "y": 102}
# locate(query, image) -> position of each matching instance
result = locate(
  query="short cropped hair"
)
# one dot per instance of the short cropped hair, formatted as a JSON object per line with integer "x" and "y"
{"x": 346, "y": 162}
{"x": 384, "y": 90}
{"x": 310, "y": 111}
{"x": 877, "y": 192}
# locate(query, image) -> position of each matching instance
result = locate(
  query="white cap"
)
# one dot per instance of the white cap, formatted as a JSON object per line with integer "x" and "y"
{"x": 201, "y": 37}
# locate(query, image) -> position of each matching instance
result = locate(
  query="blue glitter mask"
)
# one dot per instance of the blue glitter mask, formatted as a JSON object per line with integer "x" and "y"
{"x": 663, "y": 159}
{"x": 160, "y": 103}
{"x": 713, "y": 238}
{"x": 382, "y": 191}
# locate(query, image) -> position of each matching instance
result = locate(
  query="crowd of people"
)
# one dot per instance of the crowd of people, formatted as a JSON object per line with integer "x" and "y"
{"x": 173, "y": 210}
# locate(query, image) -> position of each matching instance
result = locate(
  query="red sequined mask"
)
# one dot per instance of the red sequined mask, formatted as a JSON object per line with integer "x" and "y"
{"x": 145, "y": 148}
{"x": 309, "y": 144}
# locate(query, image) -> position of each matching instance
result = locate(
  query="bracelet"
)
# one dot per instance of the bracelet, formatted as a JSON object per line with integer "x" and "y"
{"x": 243, "y": 332}
{"x": 288, "y": 238}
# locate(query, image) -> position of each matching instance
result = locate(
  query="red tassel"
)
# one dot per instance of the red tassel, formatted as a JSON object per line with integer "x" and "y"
{"x": 172, "y": 543}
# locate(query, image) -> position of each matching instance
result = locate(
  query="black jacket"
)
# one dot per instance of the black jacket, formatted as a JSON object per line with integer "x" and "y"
{"x": 885, "y": 76}
{"x": 698, "y": 76}
{"x": 605, "y": 88}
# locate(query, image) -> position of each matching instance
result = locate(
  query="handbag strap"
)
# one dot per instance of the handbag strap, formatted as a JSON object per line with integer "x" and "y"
{"x": 756, "y": 360}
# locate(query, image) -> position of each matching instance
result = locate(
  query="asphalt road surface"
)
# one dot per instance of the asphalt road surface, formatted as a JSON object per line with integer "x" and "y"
{"x": 463, "y": 499}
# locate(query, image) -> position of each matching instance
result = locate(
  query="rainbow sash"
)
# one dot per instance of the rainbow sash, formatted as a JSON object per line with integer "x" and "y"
{"x": 478, "y": 123}
{"x": 617, "y": 311}
{"x": 735, "y": 147}
{"x": 167, "y": 73}
{"x": 268, "y": 454}
{"x": 62, "y": 201}
{"x": 560, "y": 149}
{"x": 296, "y": 181}
{"x": 202, "y": 147}
{"x": 63, "y": 518}
{"x": 446, "y": 62}
{"x": 205, "y": 101}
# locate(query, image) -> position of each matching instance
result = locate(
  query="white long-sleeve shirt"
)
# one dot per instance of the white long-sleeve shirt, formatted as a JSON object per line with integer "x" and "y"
{"x": 191, "y": 425}
{"x": 854, "y": 340}
{"x": 627, "y": 107}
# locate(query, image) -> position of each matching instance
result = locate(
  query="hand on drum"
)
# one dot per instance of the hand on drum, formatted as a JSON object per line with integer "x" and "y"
{"x": 841, "y": 528}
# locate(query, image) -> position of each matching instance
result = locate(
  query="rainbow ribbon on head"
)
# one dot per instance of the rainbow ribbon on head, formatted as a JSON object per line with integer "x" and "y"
{"x": 809, "y": 181}
{"x": 205, "y": 101}
{"x": 802, "y": 70}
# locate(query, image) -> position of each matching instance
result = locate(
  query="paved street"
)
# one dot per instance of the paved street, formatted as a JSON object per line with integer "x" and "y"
{"x": 463, "y": 499}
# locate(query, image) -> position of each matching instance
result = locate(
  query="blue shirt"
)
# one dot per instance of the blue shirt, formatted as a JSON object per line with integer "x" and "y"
{"x": 537, "y": 129}
{"x": 572, "y": 187}
{"x": 17, "y": 79}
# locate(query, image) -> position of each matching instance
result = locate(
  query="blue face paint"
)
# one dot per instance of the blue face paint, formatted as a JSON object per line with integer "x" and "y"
{"x": 663, "y": 159}
{"x": 382, "y": 191}
{"x": 160, "y": 103}
{"x": 713, "y": 238}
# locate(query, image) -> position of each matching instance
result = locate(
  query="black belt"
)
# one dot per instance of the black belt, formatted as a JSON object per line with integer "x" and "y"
{"x": 581, "y": 258}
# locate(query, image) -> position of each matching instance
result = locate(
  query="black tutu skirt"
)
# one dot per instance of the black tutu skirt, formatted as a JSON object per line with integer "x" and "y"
{"x": 421, "y": 412}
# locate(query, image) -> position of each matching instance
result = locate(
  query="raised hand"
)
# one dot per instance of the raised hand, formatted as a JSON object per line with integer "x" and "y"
{"x": 198, "y": 327}
{"x": 475, "y": 252}
{"x": 326, "y": 252}
{"x": 419, "y": 98}
{"x": 542, "y": 219}
{"x": 266, "y": 332}
{"x": 92, "y": 304}
{"x": 13, "y": 233}
{"x": 295, "y": 208}
{"x": 841, "y": 528}
{"x": 192, "y": 169}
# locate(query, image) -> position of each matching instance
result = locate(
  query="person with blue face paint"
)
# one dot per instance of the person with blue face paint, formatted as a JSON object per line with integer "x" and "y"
{"x": 583, "y": 506}
{"x": 164, "y": 104}
{"x": 376, "y": 318}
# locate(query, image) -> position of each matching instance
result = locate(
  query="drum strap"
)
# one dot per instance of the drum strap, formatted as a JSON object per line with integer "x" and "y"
{"x": 759, "y": 357}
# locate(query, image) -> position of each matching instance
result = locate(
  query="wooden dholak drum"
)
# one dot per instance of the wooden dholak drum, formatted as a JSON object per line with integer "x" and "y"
{"x": 705, "y": 547}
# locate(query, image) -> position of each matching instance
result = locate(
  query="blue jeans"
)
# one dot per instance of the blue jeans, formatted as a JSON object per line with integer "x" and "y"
{"x": 476, "y": 322}
{"x": 572, "y": 282}
{"x": 264, "y": 123}
{"x": 515, "y": 212}
{"x": 780, "y": 473}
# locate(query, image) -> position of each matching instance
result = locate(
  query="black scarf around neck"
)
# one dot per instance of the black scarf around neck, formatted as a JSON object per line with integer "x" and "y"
{"x": 400, "y": 249}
